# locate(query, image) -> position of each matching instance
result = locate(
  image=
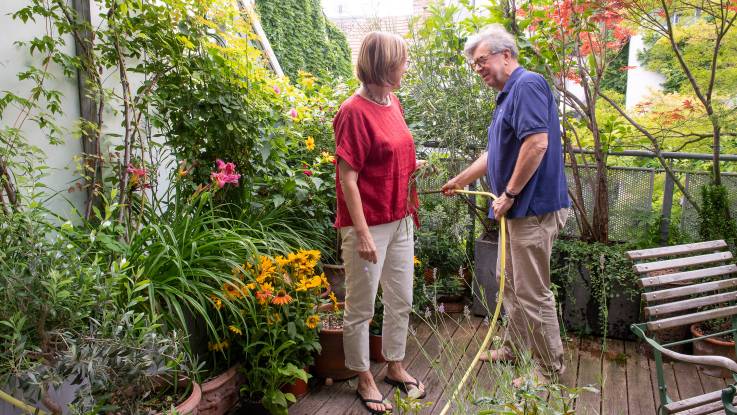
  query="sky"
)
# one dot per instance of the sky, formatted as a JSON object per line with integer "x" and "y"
{"x": 372, "y": 8}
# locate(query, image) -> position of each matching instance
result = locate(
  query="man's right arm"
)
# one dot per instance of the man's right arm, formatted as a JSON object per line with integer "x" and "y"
{"x": 467, "y": 176}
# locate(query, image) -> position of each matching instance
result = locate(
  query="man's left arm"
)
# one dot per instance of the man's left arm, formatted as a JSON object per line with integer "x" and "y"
{"x": 531, "y": 154}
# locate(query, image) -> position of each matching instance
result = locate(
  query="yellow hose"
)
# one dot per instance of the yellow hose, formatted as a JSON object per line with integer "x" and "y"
{"x": 492, "y": 324}
{"x": 20, "y": 405}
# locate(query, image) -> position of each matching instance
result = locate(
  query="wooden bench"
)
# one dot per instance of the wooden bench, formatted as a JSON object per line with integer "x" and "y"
{"x": 705, "y": 279}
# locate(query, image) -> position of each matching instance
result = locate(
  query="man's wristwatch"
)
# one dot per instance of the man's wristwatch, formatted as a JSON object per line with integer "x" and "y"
{"x": 510, "y": 195}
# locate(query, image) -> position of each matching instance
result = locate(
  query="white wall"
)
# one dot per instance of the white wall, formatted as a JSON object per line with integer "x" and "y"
{"x": 641, "y": 83}
{"x": 14, "y": 59}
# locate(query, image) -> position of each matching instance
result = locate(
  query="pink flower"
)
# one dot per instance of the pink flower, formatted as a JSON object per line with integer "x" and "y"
{"x": 293, "y": 113}
{"x": 307, "y": 172}
{"x": 225, "y": 174}
{"x": 276, "y": 89}
{"x": 136, "y": 171}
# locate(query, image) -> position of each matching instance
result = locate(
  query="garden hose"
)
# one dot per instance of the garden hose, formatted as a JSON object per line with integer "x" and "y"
{"x": 20, "y": 405}
{"x": 495, "y": 318}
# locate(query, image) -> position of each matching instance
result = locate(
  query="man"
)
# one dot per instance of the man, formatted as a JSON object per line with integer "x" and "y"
{"x": 524, "y": 164}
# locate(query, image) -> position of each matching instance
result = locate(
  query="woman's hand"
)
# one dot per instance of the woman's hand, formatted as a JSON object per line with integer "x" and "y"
{"x": 366, "y": 246}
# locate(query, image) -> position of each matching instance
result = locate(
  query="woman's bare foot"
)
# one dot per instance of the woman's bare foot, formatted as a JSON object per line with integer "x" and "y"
{"x": 497, "y": 355}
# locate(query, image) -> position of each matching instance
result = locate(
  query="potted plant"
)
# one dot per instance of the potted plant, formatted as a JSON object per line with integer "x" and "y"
{"x": 449, "y": 293}
{"x": 714, "y": 346}
{"x": 330, "y": 362}
{"x": 275, "y": 330}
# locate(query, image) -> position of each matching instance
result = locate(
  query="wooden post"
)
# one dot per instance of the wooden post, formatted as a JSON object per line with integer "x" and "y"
{"x": 89, "y": 110}
{"x": 666, "y": 211}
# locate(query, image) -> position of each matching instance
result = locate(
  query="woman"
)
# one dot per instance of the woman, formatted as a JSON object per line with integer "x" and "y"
{"x": 376, "y": 157}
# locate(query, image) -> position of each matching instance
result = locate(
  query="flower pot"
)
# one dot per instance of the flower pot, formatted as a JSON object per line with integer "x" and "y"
{"x": 712, "y": 347}
{"x": 298, "y": 388}
{"x": 330, "y": 363}
{"x": 220, "y": 394}
{"x": 485, "y": 286}
{"x": 190, "y": 405}
{"x": 375, "y": 353}
{"x": 335, "y": 275}
{"x": 451, "y": 307}
{"x": 250, "y": 408}
{"x": 428, "y": 275}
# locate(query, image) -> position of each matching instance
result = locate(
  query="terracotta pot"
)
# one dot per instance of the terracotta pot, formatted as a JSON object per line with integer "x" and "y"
{"x": 335, "y": 275}
{"x": 712, "y": 347}
{"x": 428, "y": 275}
{"x": 220, "y": 394}
{"x": 190, "y": 405}
{"x": 375, "y": 352}
{"x": 330, "y": 363}
{"x": 298, "y": 388}
{"x": 452, "y": 307}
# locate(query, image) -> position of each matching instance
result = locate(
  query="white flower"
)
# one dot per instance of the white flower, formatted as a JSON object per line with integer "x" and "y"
{"x": 486, "y": 321}
{"x": 441, "y": 308}
{"x": 427, "y": 313}
{"x": 106, "y": 224}
{"x": 466, "y": 312}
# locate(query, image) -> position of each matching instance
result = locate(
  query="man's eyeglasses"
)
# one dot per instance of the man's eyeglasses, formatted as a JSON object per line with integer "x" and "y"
{"x": 481, "y": 60}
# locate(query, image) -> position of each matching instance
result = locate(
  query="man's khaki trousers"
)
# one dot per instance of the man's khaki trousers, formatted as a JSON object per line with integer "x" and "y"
{"x": 528, "y": 301}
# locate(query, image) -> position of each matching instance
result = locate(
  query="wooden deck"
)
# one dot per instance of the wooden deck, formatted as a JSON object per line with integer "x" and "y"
{"x": 439, "y": 354}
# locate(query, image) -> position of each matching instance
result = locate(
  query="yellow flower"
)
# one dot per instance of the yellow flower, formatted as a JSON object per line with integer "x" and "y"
{"x": 327, "y": 157}
{"x": 231, "y": 291}
{"x": 312, "y": 321}
{"x": 216, "y": 347}
{"x": 334, "y": 300}
{"x": 216, "y": 302}
{"x": 310, "y": 143}
{"x": 303, "y": 285}
{"x": 416, "y": 261}
{"x": 235, "y": 330}
{"x": 324, "y": 281}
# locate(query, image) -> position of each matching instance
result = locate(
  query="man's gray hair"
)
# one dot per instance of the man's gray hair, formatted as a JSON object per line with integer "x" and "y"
{"x": 495, "y": 37}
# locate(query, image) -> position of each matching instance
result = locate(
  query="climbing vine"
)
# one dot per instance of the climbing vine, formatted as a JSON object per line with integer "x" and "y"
{"x": 303, "y": 38}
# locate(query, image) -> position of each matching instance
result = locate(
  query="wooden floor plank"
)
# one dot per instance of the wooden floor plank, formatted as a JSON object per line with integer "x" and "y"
{"x": 614, "y": 379}
{"x": 589, "y": 373}
{"x": 670, "y": 382}
{"x": 467, "y": 345}
{"x": 414, "y": 343}
{"x": 570, "y": 350}
{"x": 711, "y": 383}
{"x": 687, "y": 379}
{"x": 640, "y": 399}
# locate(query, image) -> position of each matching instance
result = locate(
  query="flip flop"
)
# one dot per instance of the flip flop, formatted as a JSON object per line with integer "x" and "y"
{"x": 368, "y": 401}
{"x": 406, "y": 386}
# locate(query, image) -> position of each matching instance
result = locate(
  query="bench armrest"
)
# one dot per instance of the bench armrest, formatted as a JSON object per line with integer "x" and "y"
{"x": 717, "y": 361}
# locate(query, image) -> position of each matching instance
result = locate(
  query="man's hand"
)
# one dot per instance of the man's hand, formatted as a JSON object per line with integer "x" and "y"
{"x": 366, "y": 246}
{"x": 501, "y": 206}
{"x": 450, "y": 188}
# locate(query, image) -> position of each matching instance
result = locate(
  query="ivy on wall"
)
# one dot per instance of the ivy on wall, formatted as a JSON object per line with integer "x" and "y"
{"x": 303, "y": 38}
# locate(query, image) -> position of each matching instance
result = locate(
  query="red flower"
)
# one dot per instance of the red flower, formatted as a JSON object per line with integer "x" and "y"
{"x": 307, "y": 172}
{"x": 225, "y": 174}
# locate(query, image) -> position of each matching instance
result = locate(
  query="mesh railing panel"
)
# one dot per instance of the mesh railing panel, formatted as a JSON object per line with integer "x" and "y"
{"x": 630, "y": 199}
{"x": 693, "y": 183}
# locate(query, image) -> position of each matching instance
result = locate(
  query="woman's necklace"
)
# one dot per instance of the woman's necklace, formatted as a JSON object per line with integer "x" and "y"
{"x": 384, "y": 102}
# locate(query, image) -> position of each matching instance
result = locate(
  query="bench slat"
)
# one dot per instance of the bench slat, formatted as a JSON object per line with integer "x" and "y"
{"x": 677, "y": 321}
{"x": 691, "y": 303}
{"x": 689, "y": 403}
{"x": 710, "y": 408}
{"x": 671, "y": 293}
{"x": 676, "y": 250}
{"x": 685, "y": 276}
{"x": 682, "y": 262}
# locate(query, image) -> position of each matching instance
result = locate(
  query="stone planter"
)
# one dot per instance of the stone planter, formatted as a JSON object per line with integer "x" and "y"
{"x": 335, "y": 275}
{"x": 330, "y": 363}
{"x": 220, "y": 394}
{"x": 712, "y": 347}
{"x": 485, "y": 286}
{"x": 375, "y": 353}
{"x": 580, "y": 309}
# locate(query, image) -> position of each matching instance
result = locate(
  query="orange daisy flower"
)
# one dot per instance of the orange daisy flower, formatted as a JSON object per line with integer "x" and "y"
{"x": 282, "y": 298}
{"x": 263, "y": 297}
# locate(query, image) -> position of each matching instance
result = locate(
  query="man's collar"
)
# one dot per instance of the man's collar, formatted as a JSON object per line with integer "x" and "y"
{"x": 510, "y": 82}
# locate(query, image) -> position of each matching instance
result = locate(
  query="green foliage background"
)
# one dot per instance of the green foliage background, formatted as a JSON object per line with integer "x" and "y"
{"x": 304, "y": 39}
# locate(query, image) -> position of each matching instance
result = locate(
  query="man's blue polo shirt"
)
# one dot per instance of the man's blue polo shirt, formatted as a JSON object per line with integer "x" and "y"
{"x": 526, "y": 106}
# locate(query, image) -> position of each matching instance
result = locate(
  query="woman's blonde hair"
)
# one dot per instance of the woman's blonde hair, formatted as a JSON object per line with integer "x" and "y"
{"x": 380, "y": 54}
